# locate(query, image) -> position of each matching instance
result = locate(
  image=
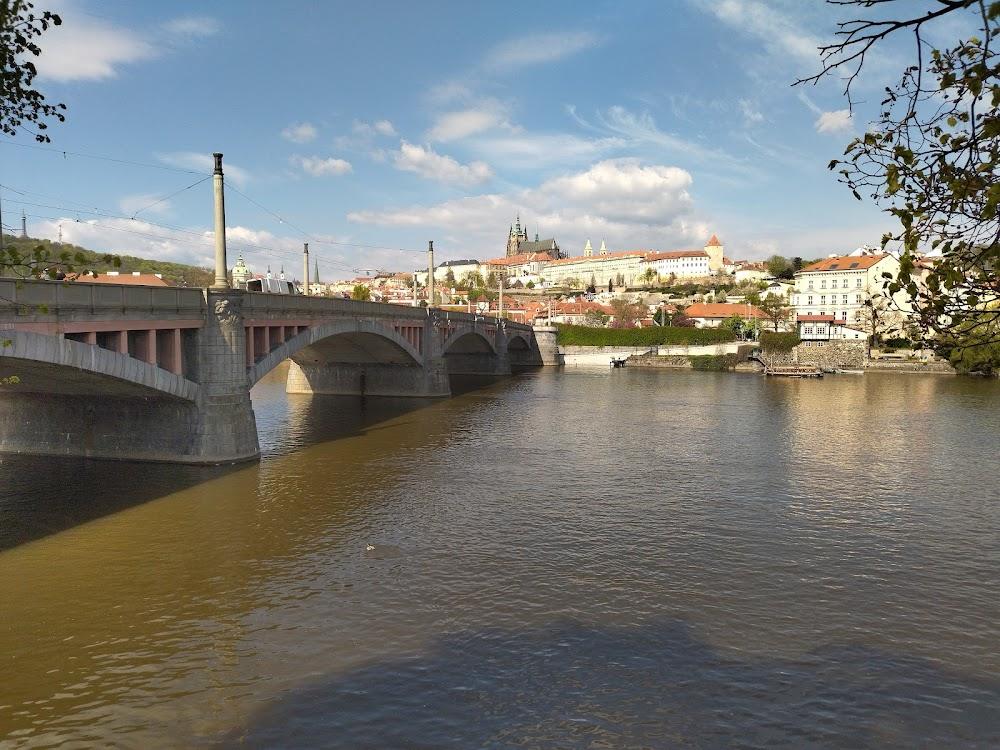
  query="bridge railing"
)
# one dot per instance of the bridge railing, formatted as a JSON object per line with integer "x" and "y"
{"x": 44, "y": 301}
{"x": 258, "y": 305}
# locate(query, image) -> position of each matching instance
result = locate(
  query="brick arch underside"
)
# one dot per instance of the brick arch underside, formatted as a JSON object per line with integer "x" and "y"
{"x": 53, "y": 365}
{"x": 349, "y": 341}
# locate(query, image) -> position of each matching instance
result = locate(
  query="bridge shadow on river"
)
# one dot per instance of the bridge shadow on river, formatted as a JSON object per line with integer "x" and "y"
{"x": 654, "y": 686}
{"x": 44, "y": 495}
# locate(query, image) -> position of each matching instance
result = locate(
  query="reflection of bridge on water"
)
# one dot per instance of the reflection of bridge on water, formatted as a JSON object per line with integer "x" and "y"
{"x": 116, "y": 371}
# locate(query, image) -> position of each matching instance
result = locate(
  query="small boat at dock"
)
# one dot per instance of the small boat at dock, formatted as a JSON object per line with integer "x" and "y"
{"x": 794, "y": 371}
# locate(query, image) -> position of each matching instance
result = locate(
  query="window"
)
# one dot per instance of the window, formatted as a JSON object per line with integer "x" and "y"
{"x": 822, "y": 284}
{"x": 819, "y": 343}
{"x": 809, "y": 300}
{"x": 858, "y": 285}
{"x": 822, "y": 299}
{"x": 810, "y": 283}
{"x": 809, "y": 329}
{"x": 857, "y": 299}
{"x": 844, "y": 299}
{"x": 808, "y": 343}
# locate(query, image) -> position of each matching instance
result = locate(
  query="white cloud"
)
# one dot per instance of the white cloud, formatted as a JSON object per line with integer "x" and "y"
{"x": 87, "y": 48}
{"x": 750, "y": 112}
{"x": 301, "y": 132}
{"x": 454, "y": 125}
{"x": 82, "y": 49}
{"x": 135, "y": 237}
{"x": 539, "y": 48}
{"x": 631, "y": 205}
{"x": 779, "y": 32}
{"x": 428, "y": 163}
{"x": 203, "y": 163}
{"x": 370, "y": 130}
{"x": 837, "y": 122}
{"x": 317, "y": 167}
{"x": 623, "y": 189}
{"x": 384, "y": 127}
{"x": 545, "y": 150}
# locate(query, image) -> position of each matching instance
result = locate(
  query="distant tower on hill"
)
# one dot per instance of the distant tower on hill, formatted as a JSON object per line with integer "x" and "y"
{"x": 515, "y": 238}
{"x": 518, "y": 243}
{"x": 24, "y": 226}
{"x": 715, "y": 253}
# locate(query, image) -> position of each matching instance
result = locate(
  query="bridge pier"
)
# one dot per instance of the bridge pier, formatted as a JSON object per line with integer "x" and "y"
{"x": 368, "y": 379}
{"x": 227, "y": 430}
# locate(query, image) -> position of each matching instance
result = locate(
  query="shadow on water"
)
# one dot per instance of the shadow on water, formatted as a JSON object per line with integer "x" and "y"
{"x": 44, "y": 495}
{"x": 659, "y": 686}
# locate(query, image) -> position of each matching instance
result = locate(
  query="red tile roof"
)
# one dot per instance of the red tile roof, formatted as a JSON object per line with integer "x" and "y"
{"x": 578, "y": 258}
{"x": 677, "y": 254}
{"x": 846, "y": 263}
{"x": 723, "y": 310}
{"x": 714, "y": 242}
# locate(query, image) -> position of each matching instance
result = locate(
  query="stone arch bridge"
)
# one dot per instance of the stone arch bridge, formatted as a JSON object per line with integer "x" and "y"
{"x": 151, "y": 373}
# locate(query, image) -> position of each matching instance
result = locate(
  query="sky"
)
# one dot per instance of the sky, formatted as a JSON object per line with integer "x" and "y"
{"x": 367, "y": 129}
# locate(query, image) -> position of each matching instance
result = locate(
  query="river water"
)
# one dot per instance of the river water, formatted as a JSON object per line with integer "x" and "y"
{"x": 591, "y": 558}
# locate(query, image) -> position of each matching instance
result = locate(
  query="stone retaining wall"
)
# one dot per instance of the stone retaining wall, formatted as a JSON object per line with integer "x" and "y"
{"x": 832, "y": 355}
{"x": 936, "y": 366}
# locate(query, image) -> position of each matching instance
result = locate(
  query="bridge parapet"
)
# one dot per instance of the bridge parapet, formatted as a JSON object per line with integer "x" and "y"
{"x": 54, "y": 302}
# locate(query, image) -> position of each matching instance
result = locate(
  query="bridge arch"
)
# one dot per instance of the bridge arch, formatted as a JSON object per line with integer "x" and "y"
{"x": 351, "y": 340}
{"x": 52, "y": 364}
{"x": 468, "y": 340}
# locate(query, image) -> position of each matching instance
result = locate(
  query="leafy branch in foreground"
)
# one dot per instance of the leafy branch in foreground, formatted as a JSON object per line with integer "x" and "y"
{"x": 932, "y": 160}
{"x": 19, "y": 102}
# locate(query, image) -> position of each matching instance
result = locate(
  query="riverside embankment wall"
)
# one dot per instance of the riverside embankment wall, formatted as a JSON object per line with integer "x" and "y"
{"x": 588, "y": 356}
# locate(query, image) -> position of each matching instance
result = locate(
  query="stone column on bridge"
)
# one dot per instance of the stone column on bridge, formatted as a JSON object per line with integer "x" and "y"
{"x": 227, "y": 430}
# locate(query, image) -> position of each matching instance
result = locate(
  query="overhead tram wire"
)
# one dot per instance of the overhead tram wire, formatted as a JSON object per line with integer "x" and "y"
{"x": 65, "y": 153}
{"x": 268, "y": 250}
{"x": 182, "y": 190}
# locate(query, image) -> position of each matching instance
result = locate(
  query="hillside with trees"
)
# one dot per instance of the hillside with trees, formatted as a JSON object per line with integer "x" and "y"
{"x": 177, "y": 274}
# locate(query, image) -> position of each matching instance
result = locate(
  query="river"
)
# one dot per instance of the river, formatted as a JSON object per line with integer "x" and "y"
{"x": 591, "y": 558}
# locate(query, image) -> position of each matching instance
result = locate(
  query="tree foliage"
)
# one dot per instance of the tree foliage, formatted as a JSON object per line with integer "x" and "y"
{"x": 627, "y": 311}
{"x": 361, "y": 292}
{"x": 932, "y": 159}
{"x": 778, "y": 342}
{"x": 774, "y": 306}
{"x": 655, "y": 335}
{"x": 20, "y": 27}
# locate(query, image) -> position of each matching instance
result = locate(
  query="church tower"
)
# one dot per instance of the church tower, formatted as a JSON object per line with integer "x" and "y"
{"x": 588, "y": 249}
{"x": 515, "y": 238}
{"x": 241, "y": 274}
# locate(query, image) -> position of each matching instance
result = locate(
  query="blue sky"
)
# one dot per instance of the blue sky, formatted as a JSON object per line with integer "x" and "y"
{"x": 368, "y": 128}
